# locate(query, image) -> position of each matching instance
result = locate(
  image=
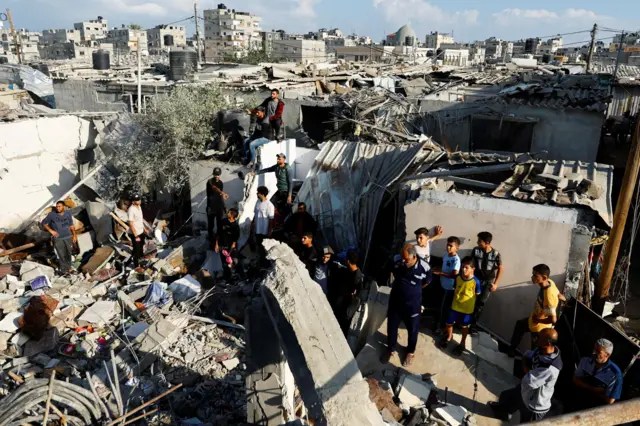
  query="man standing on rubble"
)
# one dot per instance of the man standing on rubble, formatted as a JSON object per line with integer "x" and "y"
{"x": 488, "y": 263}
{"x": 262, "y": 224}
{"x": 532, "y": 397}
{"x": 227, "y": 241}
{"x": 274, "y": 108}
{"x": 136, "y": 223}
{"x": 215, "y": 204}
{"x": 284, "y": 182}
{"x": 411, "y": 274}
{"x": 59, "y": 223}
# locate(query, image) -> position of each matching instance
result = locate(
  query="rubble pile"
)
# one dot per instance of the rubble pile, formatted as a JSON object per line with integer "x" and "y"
{"x": 377, "y": 115}
{"x": 159, "y": 342}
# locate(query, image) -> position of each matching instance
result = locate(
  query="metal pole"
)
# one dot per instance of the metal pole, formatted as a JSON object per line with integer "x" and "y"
{"x": 16, "y": 39}
{"x": 199, "y": 53}
{"x": 619, "y": 221}
{"x": 612, "y": 414}
{"x": 618, "y": 56}
{"x": 592, "y": 46}
{"x": 139, "y": 75}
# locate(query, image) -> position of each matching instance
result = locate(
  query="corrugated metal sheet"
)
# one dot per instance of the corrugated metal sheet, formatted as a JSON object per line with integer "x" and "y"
{"x": 625, "y": 98}
{"x": 347, "y": 182}
{"x": 632, "y": 71}
{"x": 525, "y": 174}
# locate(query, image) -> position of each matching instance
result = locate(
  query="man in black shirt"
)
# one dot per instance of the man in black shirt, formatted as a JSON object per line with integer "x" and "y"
{"x": 307, "y": 253}
{"x": 298, "y": 224}
{"x": 488, "y": 264}
{"x": 215, "y": 203}
{"x": 354, "y": 279}
{"x": 260, "y": 136}
{"x": 227, "y": 241}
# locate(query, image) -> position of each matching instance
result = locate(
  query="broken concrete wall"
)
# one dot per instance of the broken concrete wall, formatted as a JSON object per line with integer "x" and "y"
{"x": 325, "y": 371}
{"x": 566, "y": 134}
{"x": 39, "y": 158}
{"x": 84, "y": 95}
{"x": 525, "y": 235}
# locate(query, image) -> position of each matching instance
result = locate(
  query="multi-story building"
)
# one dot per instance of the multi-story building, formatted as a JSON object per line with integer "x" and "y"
{"x": 66, "y": 50}
{"x": 333, "y": 42}
{"x": 519, "y": 48}
{"x": 27, "y": 42}
{"x": 125, "y": 40}
{"x": 455, "y": 57}
{"x": 158, "y": 37}
{"x": 436, "y": 39}
{"x": 230, "y": 33}
{"x": 531, "y": 45}
{"x": 268, "y": 39}
{"x": 493, "y": 48}
{"x": 94, "y": 29}
{"x": 50, "y": 37}
{"x": 477, "y": 54}
{"x": 371, "y": 53}
{"x": 549, "y": 47}
{"x": 305, "y": 51}
{"x": 507, "y": 51}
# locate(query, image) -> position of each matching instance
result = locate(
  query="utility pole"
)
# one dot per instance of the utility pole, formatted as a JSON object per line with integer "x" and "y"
{"x": 16, "y": 39}
{"x": 618, "y": 56}
{"x": 592, "y": 46}
{"x": 199, "y": 52}
{"x": 139, "y": 75}
{"x": 619, "y": 221}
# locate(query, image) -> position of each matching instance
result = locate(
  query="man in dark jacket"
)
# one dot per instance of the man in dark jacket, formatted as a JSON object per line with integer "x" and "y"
{"x": 298, "y": 224}
{"x": 274, "y": 108}
{"x": 227, "y": 241}
{"x": 215, "y": 203}
{"x": 284, "y": 183}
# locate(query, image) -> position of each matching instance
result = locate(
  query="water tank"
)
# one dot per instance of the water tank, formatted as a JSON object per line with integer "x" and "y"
{"x": 42, "y": 67}
{"x": 409, "y": 41}
{"x": 101, "y": 60}
{"x": 168, "y": 40}
{"x": 182, "y": 63}
{"x": 4, "y": 60}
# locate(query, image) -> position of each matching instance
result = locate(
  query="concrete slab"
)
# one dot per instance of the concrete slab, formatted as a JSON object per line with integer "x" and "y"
{"x": 85, "y": 243}
{"x": 9, "y": 323}
{"x": 99, "y": 313}
{"x": 413, "y": 391}
{"x": 452, "y": 414}
{"x": 458, "y": 374}
{"x": 30, "y": 270}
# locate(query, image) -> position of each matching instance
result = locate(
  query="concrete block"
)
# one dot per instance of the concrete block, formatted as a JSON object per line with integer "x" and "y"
{"x": 4, "y": 340}
{"x": 100, "y": 220}
{"x": 19, "y": 339}
{"x": 452, "y": 414}
{"x": 99, "y": 314}
{"x": 230, "y": 364}
{"x": 413, "y": 391}
{"x": 48, "y": 342}
{"x": 325, "y": 371}
{"x": 30, "y": 270}
{"x": 85, "y": 243}
{"x": 9, "y": 323}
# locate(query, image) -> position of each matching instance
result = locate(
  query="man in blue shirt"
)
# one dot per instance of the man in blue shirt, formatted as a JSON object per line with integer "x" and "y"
{"x": 411, "y": 275}
{"x": 59, "y": 223}
{"x": 598, "y": 379}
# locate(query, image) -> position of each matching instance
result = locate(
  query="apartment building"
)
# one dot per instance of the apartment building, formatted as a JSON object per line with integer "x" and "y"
{"x": 50, "y": 37}
{"x": 27, "y": 41}
{"x": 305, "y": 51}
{"x": 125, "y": 40}
{"x": 94, "y": 29}
{"x": 158, "y": 37}
{"x": 436, "y": 39}
{"x": 230, "y": 33}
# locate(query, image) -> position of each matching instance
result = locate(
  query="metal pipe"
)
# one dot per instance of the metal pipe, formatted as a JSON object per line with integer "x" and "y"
{"x": 47, "y": 406}
{"x": 612, "y": 414}
{"x": 146, "y": 404}
{"x": 463, "y": 172}
{"x": 470, "y": 182}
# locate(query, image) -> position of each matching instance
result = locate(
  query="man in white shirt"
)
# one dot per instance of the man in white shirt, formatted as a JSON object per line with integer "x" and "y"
{"x": 262, "y": 224}
{"x": 136, "y": 223}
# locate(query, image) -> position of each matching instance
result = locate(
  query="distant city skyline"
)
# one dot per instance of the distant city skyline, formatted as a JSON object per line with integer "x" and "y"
{"x": 469, "y": 20}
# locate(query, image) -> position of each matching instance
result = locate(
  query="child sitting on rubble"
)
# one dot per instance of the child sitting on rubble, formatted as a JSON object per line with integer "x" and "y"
{"x": 466, "y": 290}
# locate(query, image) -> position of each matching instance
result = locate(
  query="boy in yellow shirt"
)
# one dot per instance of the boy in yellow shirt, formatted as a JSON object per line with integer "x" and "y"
{"x": 544, "y": 314}
{"x": 466, "y": 291}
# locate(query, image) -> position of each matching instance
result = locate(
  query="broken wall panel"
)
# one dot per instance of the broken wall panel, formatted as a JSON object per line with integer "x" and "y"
{"x": 324, "y": 368}
{"x": 39, "y": 156}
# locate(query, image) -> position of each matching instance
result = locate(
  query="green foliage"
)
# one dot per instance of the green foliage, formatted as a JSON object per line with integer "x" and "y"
{"x": 166, "y": 141}
{"x": 134, "y": 27}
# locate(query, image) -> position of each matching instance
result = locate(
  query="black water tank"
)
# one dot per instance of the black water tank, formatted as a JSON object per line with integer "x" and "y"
{"x": 101, "y": 60}
{"x": 182, "y": 63}
{"x": 168, "y": 40}
{"x": 4, "y": 60}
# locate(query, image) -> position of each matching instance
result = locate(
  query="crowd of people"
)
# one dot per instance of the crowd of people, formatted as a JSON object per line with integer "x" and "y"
{"x": 467, "y": 284}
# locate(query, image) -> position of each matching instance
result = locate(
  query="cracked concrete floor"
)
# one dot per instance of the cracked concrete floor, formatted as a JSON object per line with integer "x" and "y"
{"x": 448, "y": 371}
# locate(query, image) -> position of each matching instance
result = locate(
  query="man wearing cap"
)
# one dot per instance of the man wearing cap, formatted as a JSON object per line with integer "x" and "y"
{"x": 324, "y": 269}
{"x": 598, "y": 379}
{"x": 136, "y": 224}
{"x": 215, "y": 204}
{"x": 284, "y": 182}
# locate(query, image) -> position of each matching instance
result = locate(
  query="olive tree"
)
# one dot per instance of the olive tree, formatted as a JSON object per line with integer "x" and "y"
{"x": 165, "y": 141}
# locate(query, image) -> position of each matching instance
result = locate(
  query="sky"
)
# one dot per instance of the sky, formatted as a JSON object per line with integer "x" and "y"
{"x": 469, "y": 20}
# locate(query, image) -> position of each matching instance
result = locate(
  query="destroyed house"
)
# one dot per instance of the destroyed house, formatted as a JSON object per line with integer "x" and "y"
{"x": 373, "y": 197}
{"x": 559, "y": 115}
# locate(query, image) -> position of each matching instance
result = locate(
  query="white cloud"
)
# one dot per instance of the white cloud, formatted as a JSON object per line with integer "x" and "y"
{"x": 569, "y": 17}
{"x": 136, "y": 8}
{"x": 304, "y": 8}
{"x": 422, "y": 13}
